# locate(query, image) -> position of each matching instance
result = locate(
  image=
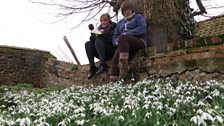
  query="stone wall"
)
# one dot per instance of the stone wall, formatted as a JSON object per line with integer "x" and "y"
{"x": 22, "y": 65}
{"x": 40, "y": 68}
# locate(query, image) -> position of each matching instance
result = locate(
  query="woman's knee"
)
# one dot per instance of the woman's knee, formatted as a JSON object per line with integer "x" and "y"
{"x": 121, "y": 38}
{"x": 87, "y": 45}
{"x": 98, "y": 42}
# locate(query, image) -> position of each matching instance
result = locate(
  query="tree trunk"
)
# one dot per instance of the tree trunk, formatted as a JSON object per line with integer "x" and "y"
{"x": 164, "y": 22}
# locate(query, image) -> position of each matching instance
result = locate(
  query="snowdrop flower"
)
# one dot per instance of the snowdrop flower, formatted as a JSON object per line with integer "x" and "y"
{"x": 199, "y": 111}
{"x": 173, "y": 110}
{"x": 194, "y": 119}
{"x": 10, "y": 123}
{"x": 216, "y": 107}
{"x": 146, "y": 106}
{"x": 18, "y": 120}
{"x": 198, "y": 120}
{"x": 207, "y": 116}
{"x": 170, "y": 113}
{"x": 157, "y": 123}
{"x": 79, "y": 110}
{"x": 148, "y": 115}
{"x": 160, "y": 107}
{"x": 158, "y": 113}
{"x": 201, "y": 103}
{"x": 219, "y": 119}
{"x": 25, "y": 122}
{"x": 43, "y": 124}
{"x": 121, "y": 118}
{"x": 128, "y": 106}
{"x": 209, "y": 97}
{"x": 134, "y": 114}
{"x": 139, "y": 94}
{"x": 80, "y": 122}
{"x": 210, "y": 111}
{"x": 161, "y": 97}
{"x": 145, "y": 91}
{"x": 215, "y": 93}
{"x": 62, "y": 123}
{"x": 45, "y": 100}
{"x": 188, "y": 92}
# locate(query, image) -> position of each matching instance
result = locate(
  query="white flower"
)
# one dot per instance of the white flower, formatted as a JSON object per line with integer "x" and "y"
{"x": 158, "y": 113}
{"x": 215, "y": 93}
{"x": 121, "y": 118}
{"x": 62, "y": 123}
{"x": 24, "y": 121}
{"x": 18, "y": 120}
{"x": 201, "y": 103}
{"x": 28, "y": 121}
{"x": 216, "y": 107}
{"x": 198, "y": 120}
{"x": 9, "y": 123}
{"x": 45, "y": 100}
{"x": 194, "y": 119}
{"x": 202, "y": 122}
{"x": 207, "y": 116}
{"x": 80, "y": 122}
{"x": 147, "y": 115}
{"x": 43, "y": 124}
{"x": 219, "y": 119}
{"x": 160, "y": 107}
{"x": 199, "y": 111}
{"x": 146, "y": 106}
{"x": 79, "y": 110}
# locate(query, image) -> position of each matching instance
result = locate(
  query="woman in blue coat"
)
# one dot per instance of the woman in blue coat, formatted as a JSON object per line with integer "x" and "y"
{"x": 130, "y": 35}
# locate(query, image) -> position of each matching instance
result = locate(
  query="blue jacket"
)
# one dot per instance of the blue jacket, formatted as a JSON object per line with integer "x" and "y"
{"x": 135, "y": 26}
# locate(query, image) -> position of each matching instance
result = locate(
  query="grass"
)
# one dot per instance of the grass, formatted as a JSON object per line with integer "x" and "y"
{"x": 27, "y": 87}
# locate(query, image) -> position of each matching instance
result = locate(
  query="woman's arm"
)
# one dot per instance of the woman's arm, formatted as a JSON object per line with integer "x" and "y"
{"x": 116, "y": 33}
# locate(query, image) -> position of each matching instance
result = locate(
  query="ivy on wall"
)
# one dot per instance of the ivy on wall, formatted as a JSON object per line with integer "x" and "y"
{"x": 187, "y": 28}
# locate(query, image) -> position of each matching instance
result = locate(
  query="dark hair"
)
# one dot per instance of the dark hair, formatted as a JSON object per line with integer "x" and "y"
{"x": 126, "y": 5}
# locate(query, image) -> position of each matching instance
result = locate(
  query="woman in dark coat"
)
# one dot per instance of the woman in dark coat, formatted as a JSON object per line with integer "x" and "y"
{"x": 100, "y": 46}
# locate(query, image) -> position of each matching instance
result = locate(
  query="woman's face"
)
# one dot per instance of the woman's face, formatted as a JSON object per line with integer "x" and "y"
{"x": 104, "y": 22}
{"x": 127, "y": 13}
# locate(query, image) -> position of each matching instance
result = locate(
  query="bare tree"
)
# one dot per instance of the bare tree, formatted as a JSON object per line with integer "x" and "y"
{"x": 63, "y": 9}
{"x": 169, "y": 20}
{"x": 201, "y": 8}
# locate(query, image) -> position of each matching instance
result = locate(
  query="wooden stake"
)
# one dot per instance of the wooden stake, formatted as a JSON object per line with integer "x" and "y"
{"x": 72, "y": 51}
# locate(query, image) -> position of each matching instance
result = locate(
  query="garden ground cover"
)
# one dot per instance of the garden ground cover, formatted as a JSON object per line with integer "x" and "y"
{"x": 148, "y": 102}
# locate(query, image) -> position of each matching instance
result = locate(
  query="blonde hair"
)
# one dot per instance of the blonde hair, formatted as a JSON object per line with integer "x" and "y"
{"x": 105, "y": 15}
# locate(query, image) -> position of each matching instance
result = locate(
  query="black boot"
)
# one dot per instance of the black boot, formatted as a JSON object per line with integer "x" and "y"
{"x": 102, "y": 68}
{"x": 92, "y": 72}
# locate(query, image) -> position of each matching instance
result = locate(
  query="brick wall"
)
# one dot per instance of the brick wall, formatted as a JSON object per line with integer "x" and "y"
{"x": 40, "y": 68}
